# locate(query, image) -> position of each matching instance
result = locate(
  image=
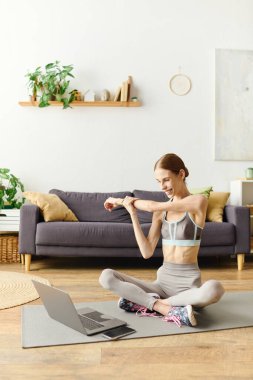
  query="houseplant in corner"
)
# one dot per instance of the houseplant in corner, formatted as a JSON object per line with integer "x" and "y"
{"x": 52, "y": 83}
{"x": 11, "y": 189}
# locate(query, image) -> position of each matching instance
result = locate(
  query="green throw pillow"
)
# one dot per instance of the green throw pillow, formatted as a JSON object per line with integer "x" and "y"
{"x": 202, "y": 190}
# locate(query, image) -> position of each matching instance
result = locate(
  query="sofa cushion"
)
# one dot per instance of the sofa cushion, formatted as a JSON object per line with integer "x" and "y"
{"x": 216, "y": 203}
{"x": 159, "y": 196}
{"x": 218, "y": 234}
{"x": 86, "y": 234}
{"x": 103, "y": 234}
{"x": 89, "y": 207}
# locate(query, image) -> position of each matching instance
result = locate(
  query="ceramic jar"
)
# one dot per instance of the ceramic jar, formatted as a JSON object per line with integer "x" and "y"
{"x": 249, "y": 173}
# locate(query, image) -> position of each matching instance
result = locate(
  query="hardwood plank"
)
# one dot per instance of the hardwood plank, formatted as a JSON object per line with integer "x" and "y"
{"x": 205, "y": 353}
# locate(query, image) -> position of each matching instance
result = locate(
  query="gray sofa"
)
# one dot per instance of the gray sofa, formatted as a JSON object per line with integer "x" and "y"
{"x": 101, "y": 233}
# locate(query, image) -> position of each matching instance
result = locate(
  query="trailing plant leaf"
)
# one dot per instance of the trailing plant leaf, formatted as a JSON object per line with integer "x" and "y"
{"x": 65, "y": 103}
{"x": 72, "y": 95}
{"x": 44, "y": 100}
{"x": 4, "y": 171}
{"x": 5, "y": 176}
{"x": 49, "y": 66}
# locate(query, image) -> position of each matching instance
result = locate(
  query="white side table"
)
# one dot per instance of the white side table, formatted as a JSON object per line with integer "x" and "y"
{"x": 9, "y": 220}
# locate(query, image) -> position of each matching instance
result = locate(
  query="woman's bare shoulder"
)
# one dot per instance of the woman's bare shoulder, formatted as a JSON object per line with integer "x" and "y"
{"x": 199, "y": 198}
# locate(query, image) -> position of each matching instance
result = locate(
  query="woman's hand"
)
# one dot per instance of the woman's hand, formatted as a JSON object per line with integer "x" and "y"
{"x": 111, "y": 203}
{"x": 128, "y": 204}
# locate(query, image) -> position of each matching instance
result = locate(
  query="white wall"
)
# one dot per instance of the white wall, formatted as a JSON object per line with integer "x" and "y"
{"x": 110, "y": 149}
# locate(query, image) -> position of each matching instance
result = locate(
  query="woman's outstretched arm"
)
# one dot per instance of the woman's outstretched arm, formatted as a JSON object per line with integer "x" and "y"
{"x": 191, "y": 203}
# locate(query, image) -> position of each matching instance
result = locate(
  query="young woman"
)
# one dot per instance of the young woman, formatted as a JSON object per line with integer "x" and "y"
{"x": 180, "y": 220}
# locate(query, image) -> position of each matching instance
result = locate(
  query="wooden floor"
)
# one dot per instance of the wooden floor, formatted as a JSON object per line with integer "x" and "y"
{"x": 220, "y": 355}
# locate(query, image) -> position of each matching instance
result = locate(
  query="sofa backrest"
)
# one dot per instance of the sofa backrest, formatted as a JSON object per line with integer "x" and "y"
{"x": 159, "y": 196}
{"x": 89, "y": 207}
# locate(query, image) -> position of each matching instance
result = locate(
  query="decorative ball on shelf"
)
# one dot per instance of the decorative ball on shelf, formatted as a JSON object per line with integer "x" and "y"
{"x": 105, "y": 95}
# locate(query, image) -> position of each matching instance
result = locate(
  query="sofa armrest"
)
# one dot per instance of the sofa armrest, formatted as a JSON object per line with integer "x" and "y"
{"x": 29, "y": 217}
{"x": 240, "y": 217}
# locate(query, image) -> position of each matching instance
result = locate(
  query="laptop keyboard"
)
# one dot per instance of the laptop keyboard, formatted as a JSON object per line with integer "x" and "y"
{"x": 89, "y": 324}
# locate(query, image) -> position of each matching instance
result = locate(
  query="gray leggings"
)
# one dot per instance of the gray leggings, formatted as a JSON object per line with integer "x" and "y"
{"x": 179, "y": 284}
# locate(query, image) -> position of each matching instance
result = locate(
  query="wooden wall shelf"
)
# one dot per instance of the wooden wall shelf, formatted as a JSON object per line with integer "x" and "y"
{"x": 85, "y": 104}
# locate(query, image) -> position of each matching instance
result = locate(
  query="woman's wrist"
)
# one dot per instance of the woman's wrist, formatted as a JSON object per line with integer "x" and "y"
{"x": 120, "y": 201}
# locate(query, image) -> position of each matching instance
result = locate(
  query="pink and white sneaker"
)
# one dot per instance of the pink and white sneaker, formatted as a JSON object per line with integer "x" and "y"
{"x": 181, "y": 315}
{"x": 140, "y": 310}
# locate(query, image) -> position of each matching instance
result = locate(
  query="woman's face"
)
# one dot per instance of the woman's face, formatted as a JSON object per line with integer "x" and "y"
{"x": 170, "y": 182}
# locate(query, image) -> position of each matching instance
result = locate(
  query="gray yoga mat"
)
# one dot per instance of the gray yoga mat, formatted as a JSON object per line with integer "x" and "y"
{"x": 234, "y": 310}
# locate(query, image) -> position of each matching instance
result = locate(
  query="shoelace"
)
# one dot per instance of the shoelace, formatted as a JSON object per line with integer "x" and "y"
{"x": 174, "y": 319}
{"x": 142, "y": 312}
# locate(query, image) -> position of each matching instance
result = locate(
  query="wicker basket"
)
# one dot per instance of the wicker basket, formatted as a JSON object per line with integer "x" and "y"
{"x": 9, "y": 249}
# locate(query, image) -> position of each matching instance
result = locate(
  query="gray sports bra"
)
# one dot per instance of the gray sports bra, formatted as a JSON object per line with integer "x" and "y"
{"x": 183, "y": 232}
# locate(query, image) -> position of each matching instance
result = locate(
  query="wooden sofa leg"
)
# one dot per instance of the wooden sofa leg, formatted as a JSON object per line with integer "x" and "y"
{"x": 240, "y": 260}
{"x": 28, "y": 258}
{"x": 22, "y": 257}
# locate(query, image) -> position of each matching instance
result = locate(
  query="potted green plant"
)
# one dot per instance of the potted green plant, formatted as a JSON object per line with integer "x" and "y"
{"x": 11, "y": 189}
{"x": 52, "y": 83}
{"x": 34, "y": 82}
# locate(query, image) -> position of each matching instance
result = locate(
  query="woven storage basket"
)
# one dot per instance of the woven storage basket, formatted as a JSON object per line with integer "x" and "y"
{"x": 9, "y": 249}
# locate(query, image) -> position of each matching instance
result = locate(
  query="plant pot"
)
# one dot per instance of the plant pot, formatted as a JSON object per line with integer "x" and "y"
{"x": 8, "y": 206}
{"x": 249, "y": 173}
{"x": 52, "y": 97}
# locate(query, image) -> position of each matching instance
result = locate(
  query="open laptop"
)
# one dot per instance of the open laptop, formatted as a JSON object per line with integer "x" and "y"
{"x": 61, "y": 308}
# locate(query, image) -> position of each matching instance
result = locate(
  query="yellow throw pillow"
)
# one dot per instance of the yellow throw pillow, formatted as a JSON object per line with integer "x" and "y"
{"x": 216, "y": 204}
{"x": 52, "y": 207}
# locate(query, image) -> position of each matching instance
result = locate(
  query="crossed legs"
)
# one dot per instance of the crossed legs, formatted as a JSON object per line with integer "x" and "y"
{"x": 137, "y": 291}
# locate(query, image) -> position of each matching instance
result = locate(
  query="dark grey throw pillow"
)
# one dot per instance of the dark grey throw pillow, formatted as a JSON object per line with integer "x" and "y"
{"x": 89, "y": 207}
